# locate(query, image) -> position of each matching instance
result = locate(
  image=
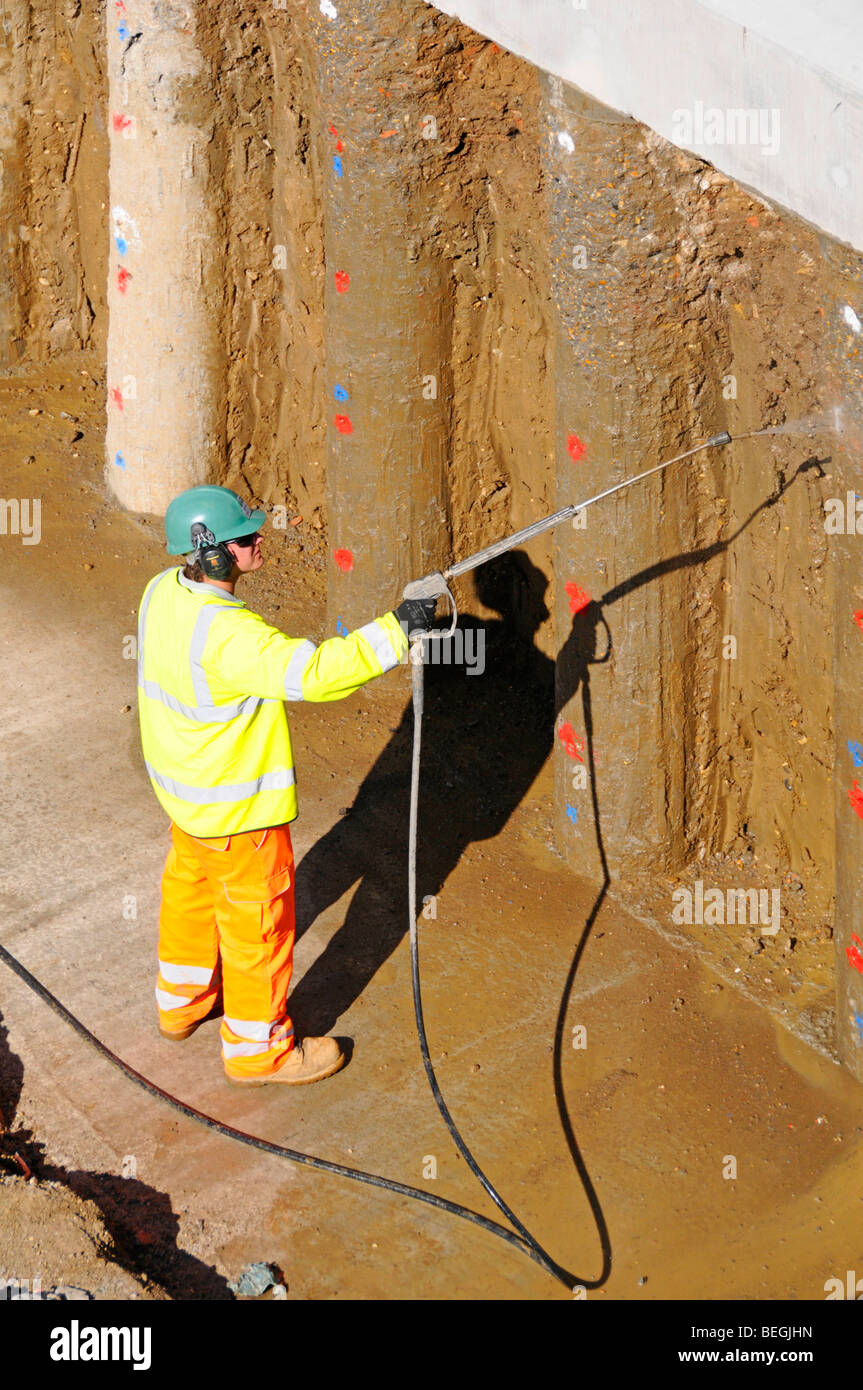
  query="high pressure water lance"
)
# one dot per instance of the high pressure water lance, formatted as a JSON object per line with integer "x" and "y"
{"x": 434, "y": 585}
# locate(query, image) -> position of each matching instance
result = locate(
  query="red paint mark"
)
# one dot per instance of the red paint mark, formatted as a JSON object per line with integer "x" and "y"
{"x": 858, "y": 618}
{"x": 342, "y": 280}
{"x": 339, "y": 146}
{"x": 573, "y": 743}
{"x": 117, "y": 397}
{"x": 119, "y": 6}
{"x": 752, "y": 221}
{"x": 343, "y": 424}
{"x": 123, "y": 278}
{"x": 344, "y": 559}
{"x": 385, "y": 134}
{"x": 332, "y": 129}
{"x": 578, "y": 598}
{"x": 121, "y": 122}
{"x": 856, "y": 799}
{"x": 575, "y": 448}
{"x": 854, "y": 954}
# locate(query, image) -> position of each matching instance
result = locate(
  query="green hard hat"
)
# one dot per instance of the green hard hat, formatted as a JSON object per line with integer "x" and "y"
{"x": 219, "y": 509}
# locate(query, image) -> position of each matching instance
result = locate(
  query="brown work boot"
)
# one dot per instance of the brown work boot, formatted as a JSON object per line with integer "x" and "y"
{"x": 310, "y": 1060}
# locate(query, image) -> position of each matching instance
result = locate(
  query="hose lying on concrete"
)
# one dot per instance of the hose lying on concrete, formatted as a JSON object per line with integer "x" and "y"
{"x": 526, "y": 1245}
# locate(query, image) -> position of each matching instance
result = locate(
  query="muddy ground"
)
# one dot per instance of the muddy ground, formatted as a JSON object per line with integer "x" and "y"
{"x": 616, "y": 1148}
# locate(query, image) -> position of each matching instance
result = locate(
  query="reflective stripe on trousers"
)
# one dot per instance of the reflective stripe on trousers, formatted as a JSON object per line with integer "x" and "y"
{"x": 227, "y": 923}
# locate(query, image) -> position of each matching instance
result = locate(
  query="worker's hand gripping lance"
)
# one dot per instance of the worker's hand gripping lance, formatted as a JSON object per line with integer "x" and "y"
{"x": 435, "y": 585}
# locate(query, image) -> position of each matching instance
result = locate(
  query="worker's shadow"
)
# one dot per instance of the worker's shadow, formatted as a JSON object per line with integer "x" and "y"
{"x": 485, "y": 739}
{"x": 139, "y": 1218}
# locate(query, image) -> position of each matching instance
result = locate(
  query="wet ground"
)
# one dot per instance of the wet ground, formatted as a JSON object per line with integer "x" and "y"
{"x": 650, "y": 1120}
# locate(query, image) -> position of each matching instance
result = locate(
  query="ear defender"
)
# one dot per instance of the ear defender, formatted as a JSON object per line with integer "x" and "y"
{"x": 215, "y": 560}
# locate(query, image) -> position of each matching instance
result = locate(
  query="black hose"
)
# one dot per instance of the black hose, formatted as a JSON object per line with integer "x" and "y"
{"x": 252, "y": 1140}
{"x": 532, "y": 1246}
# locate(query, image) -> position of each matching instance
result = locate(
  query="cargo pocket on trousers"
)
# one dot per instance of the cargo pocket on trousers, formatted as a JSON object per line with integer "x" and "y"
{"x": 256, "y": 893}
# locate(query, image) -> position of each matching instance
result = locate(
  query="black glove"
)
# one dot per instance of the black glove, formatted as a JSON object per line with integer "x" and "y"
{"x": 417, "y": 613}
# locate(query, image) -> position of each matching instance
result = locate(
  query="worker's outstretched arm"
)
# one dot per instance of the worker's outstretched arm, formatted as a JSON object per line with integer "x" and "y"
{"x": 340, "y": 665}
{"x": 246, "y": 656}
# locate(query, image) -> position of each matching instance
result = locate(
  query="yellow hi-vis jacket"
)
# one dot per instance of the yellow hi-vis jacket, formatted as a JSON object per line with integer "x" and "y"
{"x": 212, "y": 681}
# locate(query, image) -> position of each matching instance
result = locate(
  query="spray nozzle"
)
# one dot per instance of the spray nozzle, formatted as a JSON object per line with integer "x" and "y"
{"x": 716, "y": 439}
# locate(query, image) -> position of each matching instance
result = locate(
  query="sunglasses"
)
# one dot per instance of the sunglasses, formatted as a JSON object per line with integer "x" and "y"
{"x": 247, "y": 541}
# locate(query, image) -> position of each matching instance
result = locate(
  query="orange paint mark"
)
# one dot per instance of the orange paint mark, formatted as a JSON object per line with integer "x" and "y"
{"x": 853, "y": 953}
{"x": 575, "y": 448}
{"x": 573, "y": 743}
{"x": 344, "y": 559}
{"x": 578, "y": 598}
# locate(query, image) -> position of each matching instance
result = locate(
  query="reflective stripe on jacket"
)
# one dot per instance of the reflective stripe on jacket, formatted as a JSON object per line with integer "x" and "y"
{"x": 212, "y": 681}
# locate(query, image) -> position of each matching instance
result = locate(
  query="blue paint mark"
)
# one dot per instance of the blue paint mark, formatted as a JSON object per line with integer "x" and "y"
{"x": 340, "y": 628}
{"x": 858, "y": 1019}
{"x": 572, "y": 812}
{"x": 340, "y": 393}
{"x": 337, "y": 165}
{"x": 122, "y": 244}
{"x": 856, "y": 752}
{"x": 120, "y": 461}
{"x": 123, "y": 31}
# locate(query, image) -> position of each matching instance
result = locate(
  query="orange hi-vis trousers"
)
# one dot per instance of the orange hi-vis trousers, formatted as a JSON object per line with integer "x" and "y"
{"x": 227, "y": 921}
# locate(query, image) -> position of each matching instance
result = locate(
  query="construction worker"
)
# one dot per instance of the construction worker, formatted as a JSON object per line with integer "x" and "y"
{"x": 212, "y": 681}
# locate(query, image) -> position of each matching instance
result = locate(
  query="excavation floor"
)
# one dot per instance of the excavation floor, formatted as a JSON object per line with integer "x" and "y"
{"x": 643, "y": 1102}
